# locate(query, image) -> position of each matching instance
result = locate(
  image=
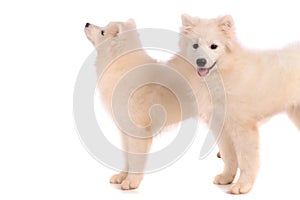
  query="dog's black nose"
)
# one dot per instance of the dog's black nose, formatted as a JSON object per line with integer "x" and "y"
{"x": 201, "y": 62}
{"x": 87, "y": 25}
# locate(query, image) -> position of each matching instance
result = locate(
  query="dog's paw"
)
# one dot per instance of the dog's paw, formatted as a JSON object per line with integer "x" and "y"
{"x": 118, "y": 178}
{"x": 240, "y": 188}
{"x": 131, "y": 182}
{"x": 223, "y": 179}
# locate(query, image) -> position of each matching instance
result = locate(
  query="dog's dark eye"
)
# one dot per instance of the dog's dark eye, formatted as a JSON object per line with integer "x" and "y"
{"x": 195, "y": 46}
{"x": 102, "y": 32}
{"x": 213, "y": 46}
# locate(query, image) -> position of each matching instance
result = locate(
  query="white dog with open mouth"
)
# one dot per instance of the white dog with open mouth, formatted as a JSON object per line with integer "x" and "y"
{"x": 258, "y": 85}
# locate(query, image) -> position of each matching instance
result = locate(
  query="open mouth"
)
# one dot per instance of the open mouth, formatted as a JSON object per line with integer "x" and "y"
{"x": 205, "y": 71}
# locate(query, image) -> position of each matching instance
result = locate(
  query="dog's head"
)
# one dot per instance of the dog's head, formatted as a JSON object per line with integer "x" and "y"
{"x": 97, "y": 34}
{"x": 209, "y": 39}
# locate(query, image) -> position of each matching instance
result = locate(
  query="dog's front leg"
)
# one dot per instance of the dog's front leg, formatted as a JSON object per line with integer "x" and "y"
{"x": 138, "y": 149}
{"x": 246, "y": 144}
{"x": 229, "y": 158}
{"x": 118, "y": 178}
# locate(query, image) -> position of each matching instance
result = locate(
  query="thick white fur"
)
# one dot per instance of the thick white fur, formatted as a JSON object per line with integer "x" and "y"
{"x": 142, "y": 99}
{"x": 258, "y": 85}
{"x": 108, "y": 48}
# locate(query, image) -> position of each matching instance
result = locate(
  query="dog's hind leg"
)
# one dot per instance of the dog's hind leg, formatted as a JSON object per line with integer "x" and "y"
{"x": 294, "y": 115}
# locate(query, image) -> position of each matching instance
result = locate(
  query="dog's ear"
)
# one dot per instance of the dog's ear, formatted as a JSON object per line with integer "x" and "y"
{"x": 126, "y": 26}
{"x": 226, "y": 25}
{"x": 131, "y": 23}
{"x": 188, "y": 21}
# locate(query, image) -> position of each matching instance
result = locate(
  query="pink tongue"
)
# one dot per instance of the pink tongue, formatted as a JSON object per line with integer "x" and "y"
{"x": 202, "y": 72}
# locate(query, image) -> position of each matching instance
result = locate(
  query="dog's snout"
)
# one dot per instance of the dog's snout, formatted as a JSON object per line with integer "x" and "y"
{"x": 87, "y": 25}
{"x": 201, "y": 62}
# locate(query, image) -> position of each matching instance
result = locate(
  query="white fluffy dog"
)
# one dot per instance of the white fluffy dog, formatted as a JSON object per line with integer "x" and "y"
{"x": 258, "y": 85}
{"x": 110, "y": 41}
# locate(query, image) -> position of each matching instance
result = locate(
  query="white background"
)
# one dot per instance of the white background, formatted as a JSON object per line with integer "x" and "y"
{"x": 42, "y": 47}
